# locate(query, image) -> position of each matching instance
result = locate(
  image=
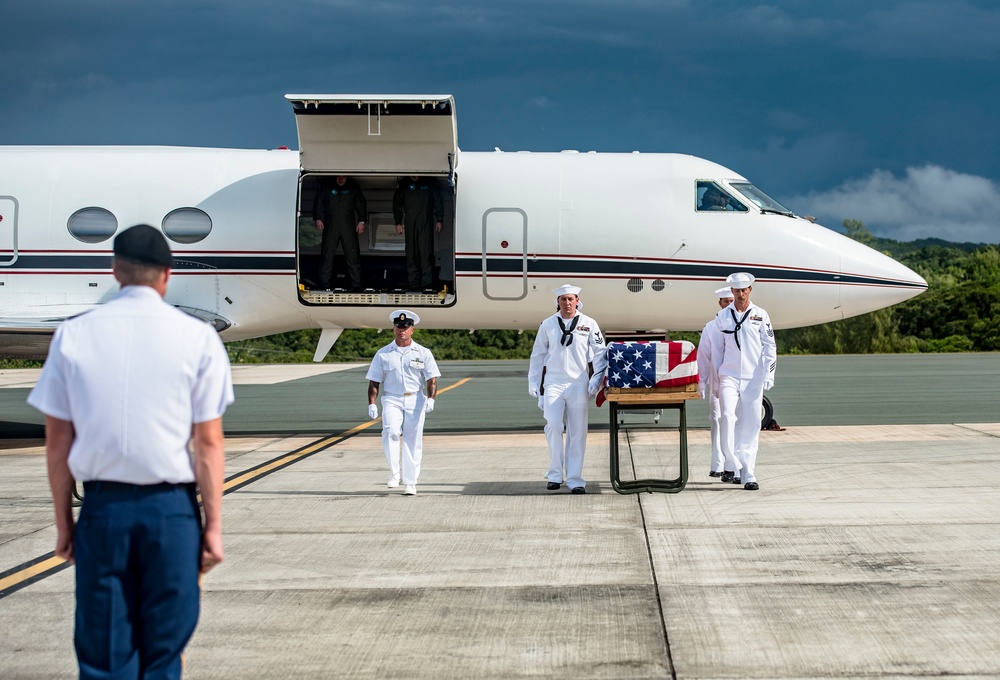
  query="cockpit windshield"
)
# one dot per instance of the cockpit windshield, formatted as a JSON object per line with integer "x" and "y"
{"x": 711, "y": 196}
{"x": 759, "y": 198}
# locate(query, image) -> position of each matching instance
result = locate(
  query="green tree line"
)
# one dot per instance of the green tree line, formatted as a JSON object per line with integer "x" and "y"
{"x": 959, "y": 311}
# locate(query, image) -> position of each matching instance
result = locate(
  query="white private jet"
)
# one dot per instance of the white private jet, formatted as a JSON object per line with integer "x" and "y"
{"x": 634, "y": 230}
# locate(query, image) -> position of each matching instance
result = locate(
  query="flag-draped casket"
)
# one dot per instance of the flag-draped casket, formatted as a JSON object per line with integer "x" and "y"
{"x": 652, "y": 364}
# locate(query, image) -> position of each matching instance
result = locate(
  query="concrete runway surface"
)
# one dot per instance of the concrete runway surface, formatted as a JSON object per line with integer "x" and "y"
{"x": 870, "y": 550}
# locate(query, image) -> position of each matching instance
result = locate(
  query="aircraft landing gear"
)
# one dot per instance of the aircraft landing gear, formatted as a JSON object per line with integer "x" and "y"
{"x": 767, "y": 415}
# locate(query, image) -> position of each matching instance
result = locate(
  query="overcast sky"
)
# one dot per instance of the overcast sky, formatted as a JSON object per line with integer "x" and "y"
{"x": 884, "y": 112}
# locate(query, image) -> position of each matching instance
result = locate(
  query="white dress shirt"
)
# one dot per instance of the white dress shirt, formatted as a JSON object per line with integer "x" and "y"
{"x": 566, "y": 363}
{"x": 403, "y": 370}
{"x": 133, "y": 376}
{"x": 749, "y": 353}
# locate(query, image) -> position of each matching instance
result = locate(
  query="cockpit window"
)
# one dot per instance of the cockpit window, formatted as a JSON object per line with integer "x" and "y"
{"x": 711, "y": 196}
{"x": 759, "y": 198}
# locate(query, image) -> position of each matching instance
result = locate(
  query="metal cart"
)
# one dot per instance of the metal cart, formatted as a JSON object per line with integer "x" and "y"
{"x": 639, "y": 399}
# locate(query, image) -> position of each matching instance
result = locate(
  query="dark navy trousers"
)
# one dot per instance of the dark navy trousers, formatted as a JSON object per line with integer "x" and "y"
{"x": 137, "y": 552}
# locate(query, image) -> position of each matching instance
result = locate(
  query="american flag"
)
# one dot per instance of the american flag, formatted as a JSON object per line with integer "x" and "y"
{"x": 652, "y": 364}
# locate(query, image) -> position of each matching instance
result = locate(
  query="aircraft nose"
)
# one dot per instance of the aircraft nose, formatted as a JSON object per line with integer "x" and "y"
{"x": 871, "y": 280}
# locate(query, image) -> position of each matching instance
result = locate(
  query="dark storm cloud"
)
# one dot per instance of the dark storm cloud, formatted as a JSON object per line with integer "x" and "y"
{"x": 801, "y": 97}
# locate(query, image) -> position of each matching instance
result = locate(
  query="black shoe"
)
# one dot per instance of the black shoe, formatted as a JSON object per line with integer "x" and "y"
{"x": 736, "y": 480}
{"x": 553, "y": 486}
{"x": 727, "y": 476}
{"x": 751, "y": 486}
{"x": 714, "y": 474}
{"x": 578, "y": 489}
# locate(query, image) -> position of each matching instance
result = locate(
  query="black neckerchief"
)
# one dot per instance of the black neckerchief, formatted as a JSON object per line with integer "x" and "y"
{"x": 739, "y": 324}
{"x": 567, "y": 334}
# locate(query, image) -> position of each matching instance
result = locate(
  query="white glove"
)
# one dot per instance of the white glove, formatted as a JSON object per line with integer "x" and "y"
{"x": 768, "y": 383}
{"x": 372, "y": 411}
{"x": 428, "y": 406}
{"x": 702, "y": 390}
{"x": 596, "y": 381}
{"x": 533, "y": 391}
{"x": 541, "y": 403}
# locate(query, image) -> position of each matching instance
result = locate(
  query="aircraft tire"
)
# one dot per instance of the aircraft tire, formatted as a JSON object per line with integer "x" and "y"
{"x": 767, "y": 413}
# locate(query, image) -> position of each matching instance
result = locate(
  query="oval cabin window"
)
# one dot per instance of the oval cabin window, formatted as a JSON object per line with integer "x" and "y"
{"x": 187, "y": 225}
{"x": 92, "y": 225}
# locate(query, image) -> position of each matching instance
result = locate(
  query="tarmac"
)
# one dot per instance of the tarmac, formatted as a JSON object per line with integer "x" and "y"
{"x": 869, "y": 551}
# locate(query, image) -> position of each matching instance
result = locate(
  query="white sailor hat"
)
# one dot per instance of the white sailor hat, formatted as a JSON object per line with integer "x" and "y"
{"x": 404, "y": 318}
{"x": 740, "y": 280}
{"x": 568, "y": 289}
{"x": 724, "y": 293}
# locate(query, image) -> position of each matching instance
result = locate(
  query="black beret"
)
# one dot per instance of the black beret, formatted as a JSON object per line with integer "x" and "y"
{"x": 143, "y": 244}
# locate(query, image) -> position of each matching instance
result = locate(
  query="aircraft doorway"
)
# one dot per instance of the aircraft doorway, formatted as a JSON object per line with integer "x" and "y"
{"x": 398, "y": 155}
{"x": 330, "y": 272}
{"x": 8, "y": 230}
{"x": 505, "y": 260}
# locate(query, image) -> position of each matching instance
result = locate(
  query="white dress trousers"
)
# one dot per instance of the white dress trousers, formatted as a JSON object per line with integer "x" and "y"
{"x": 569, "y": 401}
{"x": 740, "y": 404}
{"x": 708, "y": 379}
{"x": 715, "y": 422}
{"x": 402, "y": 435}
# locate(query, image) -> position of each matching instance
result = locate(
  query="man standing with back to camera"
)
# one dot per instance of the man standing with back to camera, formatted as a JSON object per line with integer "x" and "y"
{"x": 125, "y": 390}
{"x": 744, "y": 356}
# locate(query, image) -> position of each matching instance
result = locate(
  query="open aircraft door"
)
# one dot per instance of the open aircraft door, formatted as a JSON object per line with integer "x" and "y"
{"x": 375, "y": 141}
{"x": 386, "y": 134}
{"x": 8, "y": 230}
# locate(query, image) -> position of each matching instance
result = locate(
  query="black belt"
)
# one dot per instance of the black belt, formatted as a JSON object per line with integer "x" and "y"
{"x": 98, "y": 485}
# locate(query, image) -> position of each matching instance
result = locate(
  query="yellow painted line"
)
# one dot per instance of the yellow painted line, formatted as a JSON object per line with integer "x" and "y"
{"x": 451, "y": 387}
{"x": 322, "y": 443}
{"x": 29, "y": 572}
{"x": 53, "y": 562}
{"x": 284, "y": 460}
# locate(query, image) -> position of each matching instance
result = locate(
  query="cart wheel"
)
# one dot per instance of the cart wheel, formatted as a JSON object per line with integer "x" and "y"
{"x": 767, "y": 413}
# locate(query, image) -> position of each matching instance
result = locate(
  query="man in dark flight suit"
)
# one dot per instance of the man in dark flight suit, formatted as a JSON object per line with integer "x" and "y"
{"x": 339, "y": 211}
{"x": 418, "y": 209}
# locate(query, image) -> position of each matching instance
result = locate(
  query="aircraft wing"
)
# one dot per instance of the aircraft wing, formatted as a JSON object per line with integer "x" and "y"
{"x": 26, "y": 333}
{"x": 40, "y": 319}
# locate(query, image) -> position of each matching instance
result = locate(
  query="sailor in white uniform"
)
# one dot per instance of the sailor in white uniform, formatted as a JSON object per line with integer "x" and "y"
{"x": 566, "y": 369}
{"x": 708, "y": 385}
{"x": 406, "y": 374}
{"x": 744, "y": 356}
